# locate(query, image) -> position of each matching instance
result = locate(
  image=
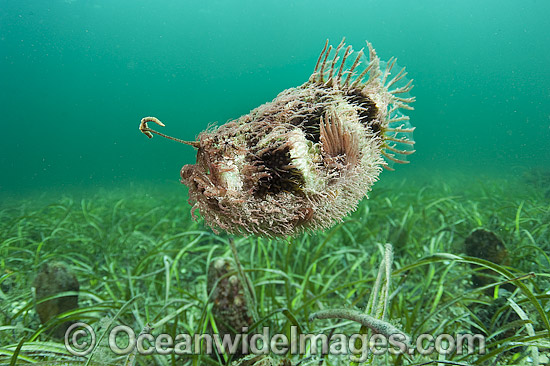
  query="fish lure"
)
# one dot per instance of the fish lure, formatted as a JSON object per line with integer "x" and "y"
{"x": 304, "y": 160}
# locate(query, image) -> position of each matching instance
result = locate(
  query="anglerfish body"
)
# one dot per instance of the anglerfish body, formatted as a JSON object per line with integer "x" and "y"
{"x": 304, "y": 160}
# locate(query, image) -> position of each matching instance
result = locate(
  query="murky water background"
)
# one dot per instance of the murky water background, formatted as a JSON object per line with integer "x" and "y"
{"x": 78, "y": 75}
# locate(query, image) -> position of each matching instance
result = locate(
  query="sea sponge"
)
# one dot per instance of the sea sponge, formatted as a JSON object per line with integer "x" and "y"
{"x": 52, "y": 279}
{"x": 485, "y": 244}
{"x": 231, "y": 308}
{"x": 304, "y": 160}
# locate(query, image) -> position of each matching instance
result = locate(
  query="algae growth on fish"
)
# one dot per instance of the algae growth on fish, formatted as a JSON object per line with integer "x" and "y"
{"x": 304, "y": 160}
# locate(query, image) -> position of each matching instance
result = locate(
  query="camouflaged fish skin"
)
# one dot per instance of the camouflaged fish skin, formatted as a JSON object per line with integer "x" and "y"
{"x": 304, "y": 160}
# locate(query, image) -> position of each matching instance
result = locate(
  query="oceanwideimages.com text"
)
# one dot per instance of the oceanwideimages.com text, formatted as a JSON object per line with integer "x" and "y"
{"x": 80, "y": 339}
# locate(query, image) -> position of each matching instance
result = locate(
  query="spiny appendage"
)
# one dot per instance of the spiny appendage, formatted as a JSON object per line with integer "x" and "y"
{"x": 330, "y": 71}
{"x": 395, "y": 127}
{"x": 398, "y": 138}
{"x": 397, "y": 100}
{"x": 398, "y": 144}
{"x": 397, "y": 134}
{"x": 339, "y": 145}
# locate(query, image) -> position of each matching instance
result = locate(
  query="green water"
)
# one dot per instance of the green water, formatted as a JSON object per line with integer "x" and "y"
{"x": 79, "y": 183}
{"x": 77, "y": 76}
